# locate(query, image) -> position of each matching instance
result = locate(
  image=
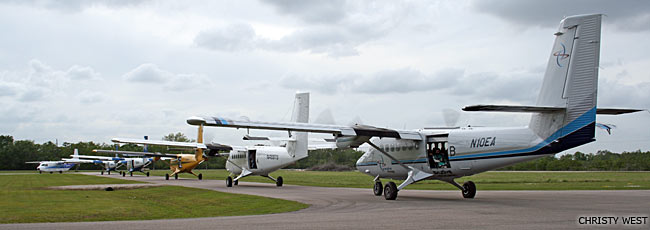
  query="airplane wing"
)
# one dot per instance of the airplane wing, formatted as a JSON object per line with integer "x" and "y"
{"x": 338, "y": 130}
{"x": 69, "y": 160}
{"x": 162, "y": 143}
{"x": 104, "y": 158}
{"x": 147, "y": 154}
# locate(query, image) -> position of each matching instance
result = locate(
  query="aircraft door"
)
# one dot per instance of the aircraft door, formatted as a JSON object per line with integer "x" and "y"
{"x": 252, "y": 159}
{"x": 437, "y": 154}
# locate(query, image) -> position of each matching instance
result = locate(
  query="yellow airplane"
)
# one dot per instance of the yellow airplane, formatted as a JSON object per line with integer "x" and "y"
{"x": 178, "y": 163}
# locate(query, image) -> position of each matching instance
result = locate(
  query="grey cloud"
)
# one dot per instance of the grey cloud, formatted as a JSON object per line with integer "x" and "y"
{"x": 147, "y": 73}
{"x": 82, "y": 73}
{"x": 34, "y": 94}
{"x": 632, "y": 15}
{"x": 151, "y": 73}
{"x": 314, "y": 11}
{"x": 8, "y": 89}
{"x": 612, "y": 93}
{"x": 72, "y": 6}
{"x": 518, "y": 86}
{"x": 234, "y": 37}
{"x": 90, "y": 97}
{"x": 392, "y": 81}
{"x": 334, "y": 35}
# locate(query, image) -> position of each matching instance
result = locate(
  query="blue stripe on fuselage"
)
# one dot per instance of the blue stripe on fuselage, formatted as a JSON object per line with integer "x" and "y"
{"x": 580, "y": 122}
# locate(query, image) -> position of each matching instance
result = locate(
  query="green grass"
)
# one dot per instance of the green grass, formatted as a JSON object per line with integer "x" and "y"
{"x": 25, "y": 200}
{"x": 496, "y": 180}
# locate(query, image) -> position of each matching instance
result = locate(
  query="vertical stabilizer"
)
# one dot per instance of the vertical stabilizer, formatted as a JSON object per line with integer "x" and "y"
{"x": 298, "y": 148}
{"x": 76, "y": 154}
{"x": 571, "y": 82}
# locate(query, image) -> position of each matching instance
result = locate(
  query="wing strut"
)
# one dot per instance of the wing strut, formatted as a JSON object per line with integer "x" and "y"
{"x": 414, "y": 175}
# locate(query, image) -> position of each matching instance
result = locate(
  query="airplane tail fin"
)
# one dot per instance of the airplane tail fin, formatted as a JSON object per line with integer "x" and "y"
{"x": 298, "y": 148}
{"x": 76, "y": 154}
{"x": 571, "y": 83}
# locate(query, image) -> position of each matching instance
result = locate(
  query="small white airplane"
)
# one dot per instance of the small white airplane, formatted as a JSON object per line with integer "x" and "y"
{"x": 244, "y": 161}
{"x": 52, "y": 166}
{"x": 55, "y": 166}
{"x": 564, "y": 118}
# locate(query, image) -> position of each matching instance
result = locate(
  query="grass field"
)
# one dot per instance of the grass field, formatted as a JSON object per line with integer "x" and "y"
{"x": 24, "y": 200}
{"x": 496, "y": 180}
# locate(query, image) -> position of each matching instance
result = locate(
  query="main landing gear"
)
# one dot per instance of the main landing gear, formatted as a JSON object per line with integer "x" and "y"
{"x": 278, "y": 182}
{"x": 166, "y": 176}
{"x": 468, "y": 189}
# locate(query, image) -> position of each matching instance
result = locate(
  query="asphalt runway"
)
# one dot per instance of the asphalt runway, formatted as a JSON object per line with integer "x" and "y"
{"x": 350, "y": 208}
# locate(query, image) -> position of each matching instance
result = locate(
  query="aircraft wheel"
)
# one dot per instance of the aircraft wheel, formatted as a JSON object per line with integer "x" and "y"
{"x": 102, "y": 172}
{"x": 60, "y": 172}
{"x": 175, "y": 176}
{"x": 123, "y": 174}
{"x": 469, "y": 189}
{"x": 200, "y": 176}
{"x": 130, "y": 173}
{"x": 279, "y": 182}
{"x": 109, "y": 172}
{"x": 229, "y": 182}
{"x": 51, "y": 172}
{"x": 390, "y": 191}
{"x": 236, "y": 182}
{"x": 40, "y": 172}
{"x": 378, "y": 189}
{"x": 166, "y": 176}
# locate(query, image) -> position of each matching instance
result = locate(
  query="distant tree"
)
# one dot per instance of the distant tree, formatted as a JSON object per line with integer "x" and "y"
{"x": 177, "y": 137}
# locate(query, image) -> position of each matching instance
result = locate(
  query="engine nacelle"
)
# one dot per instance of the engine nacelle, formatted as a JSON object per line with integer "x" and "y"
{"x": 351, "y": 141}
{"x": 216, "y": 149}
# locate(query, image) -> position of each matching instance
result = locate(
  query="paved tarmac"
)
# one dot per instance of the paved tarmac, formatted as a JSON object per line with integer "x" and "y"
{"x": 350, "y": 208}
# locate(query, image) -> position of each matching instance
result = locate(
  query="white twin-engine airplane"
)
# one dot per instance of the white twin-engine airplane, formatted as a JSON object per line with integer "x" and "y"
{"x": 564, "y": 117}
{"x": 242, "y": 161}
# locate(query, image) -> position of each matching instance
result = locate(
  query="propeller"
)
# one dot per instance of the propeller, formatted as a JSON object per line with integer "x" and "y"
{"x": 325, "y": 117}
{"x": 451, "y": 117}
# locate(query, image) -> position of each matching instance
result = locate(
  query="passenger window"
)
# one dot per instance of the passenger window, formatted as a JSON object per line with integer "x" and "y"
{"x": 392, "y": 148}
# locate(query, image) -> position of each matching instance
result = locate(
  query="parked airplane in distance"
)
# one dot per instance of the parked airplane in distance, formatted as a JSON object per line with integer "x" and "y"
{"x": 55, "y": 166}
{"x": 564, "y": 118}
{"x": 243, "y": 161}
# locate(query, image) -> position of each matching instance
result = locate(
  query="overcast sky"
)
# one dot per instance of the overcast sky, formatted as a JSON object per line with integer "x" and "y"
{"x": 93, "y": 70}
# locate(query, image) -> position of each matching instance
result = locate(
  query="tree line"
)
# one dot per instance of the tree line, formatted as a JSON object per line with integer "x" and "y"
{"x": 14, "y": 154}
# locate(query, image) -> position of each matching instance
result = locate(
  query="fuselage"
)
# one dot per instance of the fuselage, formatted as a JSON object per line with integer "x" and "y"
{"x": 452, "y": 153}
{"x": 260, "y": 160}
{"x": 54, "y": 166}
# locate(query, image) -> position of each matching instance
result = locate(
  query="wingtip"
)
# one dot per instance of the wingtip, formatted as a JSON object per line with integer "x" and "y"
{"x": 194, "y": 120}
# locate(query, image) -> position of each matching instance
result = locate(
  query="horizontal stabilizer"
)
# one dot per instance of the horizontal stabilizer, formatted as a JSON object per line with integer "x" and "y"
{"x": 610, "y": 111}
{"x": 541, "y": 109}
{"x": 513, "y": 108}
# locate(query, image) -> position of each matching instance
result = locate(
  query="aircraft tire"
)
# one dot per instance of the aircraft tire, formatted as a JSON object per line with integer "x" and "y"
{"x": 109, "y": 172}
{"x": 130, "y": 173}
{"x": 175, "y": 176}
{"x": 147, "y": 174}
{"x": 123, "y": 174}
{"x": 378, "y": 189}
{"x": 102, "y": 172}
{"x": 40, "y": 172}
{"x": 229, "y": 182}
{"x": 166, "y": 176}
{"x": 51, "y": 172}
{"x": 279, "y": 182}
{"x": 469, "y": 190}
{"x": 390, "y": 191}
{"x": 200, "y": 176}
{"x": 60, "y": 172}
